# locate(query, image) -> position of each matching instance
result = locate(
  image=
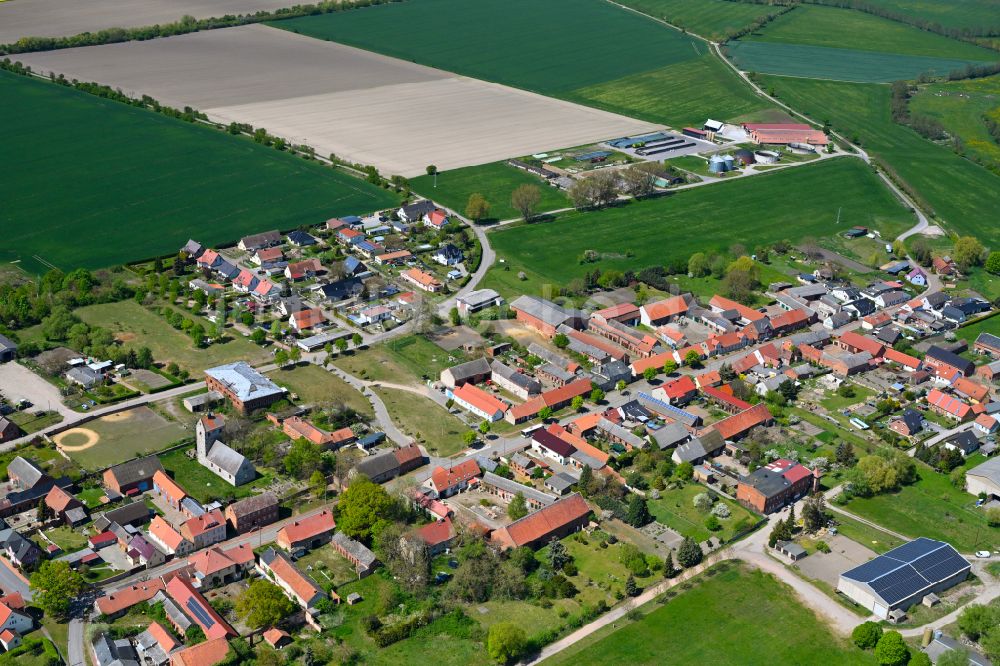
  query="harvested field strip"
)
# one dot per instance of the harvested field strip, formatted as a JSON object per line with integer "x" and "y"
{"x": 821, "y": 62}
{"x": 849, "y": 29}
{"x": 964, "y": 195}
{"x": 80, "y": 155}
{"x": 549, "y": 47}
{"x": 789, "y": 204}
{"x": 712, "y": 19}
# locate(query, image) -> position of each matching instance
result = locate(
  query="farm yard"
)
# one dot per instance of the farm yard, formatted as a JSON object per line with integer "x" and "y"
{"x": 116, "y": 438}
{"x": 359, "y": 105}
{"x": 636, "y": 60}
{"x": 183, "y": 181}
{"x": 712, "y": 19}
{"x": 790, "y": 204}
{"x": 964, "y": 195}
{"x": 761, "y": 613}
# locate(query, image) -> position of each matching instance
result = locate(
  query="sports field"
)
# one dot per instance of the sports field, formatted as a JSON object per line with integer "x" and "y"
{"x": 836, "y": 64}
{"x": 850, "y": 29}
{"x": 963, "y": 194}
{"x": 494, "y": 181}
{"x": 98, "y": 183}
{"x": 712, "y": 19}
{"x": 764, "y": 622}
{"x": 562, "y": 48}
{"x": 962, "y": 107}
{"x": 116, "y": 438}
{"x": 789, "y": 204}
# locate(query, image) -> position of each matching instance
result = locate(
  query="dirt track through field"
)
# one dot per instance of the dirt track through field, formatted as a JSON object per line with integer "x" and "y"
{"x": 367, "y": 107}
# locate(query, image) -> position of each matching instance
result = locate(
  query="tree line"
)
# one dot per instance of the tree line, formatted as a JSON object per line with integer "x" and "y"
{"x": 186, "y": 24}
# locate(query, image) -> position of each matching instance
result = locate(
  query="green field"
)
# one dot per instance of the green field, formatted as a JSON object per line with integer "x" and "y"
{"x": 835, "y": 64}
{"x": 121, "y": 437}
{"x": 970, "y": 333}
{"x": 583, "y": 50}
{"x": 731, "y": 615}
{"x": 934, "y": 508}
{"x": 424, "y": 420}
{"x": 137, "y": 326}
{"x": 676, "y": 510}
{"x": 961, "y": 106}
{"x": 411, "y": 359}
{"x": 100, "y": 183}
{"x": 494, "y": 181}
{"x": 962, "y": 194}
{"x": 974, "y": 14}
{"x": 787, "y": 204}
{"x": 713, "y": 19}
{"x": 316, "y": 386}
{"x": 849, "y": 29}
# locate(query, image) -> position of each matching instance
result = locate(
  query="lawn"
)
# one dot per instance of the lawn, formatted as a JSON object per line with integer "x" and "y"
{"x": 91, "y": 167}
{"x": 763, "y": 624}
{"x": 788, "y": 204}
{"x": 314, "y": 386}
{"x": 866, "y": 535}
{"x": 30, "y": 422}
{"x": 425, "y": 421}
{"x": 970, "y": 333}
{"x": 931, "y": 507}
{"x": 712, "y": 19}
{"x": 676, "y": 510}
{"x": 964, "y": 195}
{"x": 582, "y": 50}
{"x": 120, "y": 437}
{"x": 494, "y": 181}
{"x": 411, "y": 359}
{"x": 836, "y": 64}
{"x": 834, "y": 402}
{"x": 138, "y": 326}
{"x": 327, "y": 567}
{"x": 962, "y": 107}
{"x": 849, "y": 29}
{"x": 44, "y": 456}
{"x": 66, "y": 538}
{"x": 202, "y": 484}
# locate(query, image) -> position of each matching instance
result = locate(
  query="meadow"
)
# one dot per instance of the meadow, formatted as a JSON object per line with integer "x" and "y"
{"x": 316, "y": 386}
{"x": 963, "y": 195}
{"x": 760, "y": 615}
{"x": 961, "y": 106}
{"x": 788, "y": 204}
{"x": 426, "y": 421}
{"x": 494, "y": 181}
{"x": 676, "y": 510}
{"x": 971, "y": 332}
{"x": 848, "y": 29}
{"x": 99, "y": 183}
{"x": 835, "y": 64}
{"x": 581, "y": 50}
{"x": 712, "y": 19}
{"x": 973, "y": 14}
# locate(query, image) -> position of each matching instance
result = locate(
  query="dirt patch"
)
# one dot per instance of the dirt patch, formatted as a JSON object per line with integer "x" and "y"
{"x": 76, "y": 439}
{"x": 125, "y": 337}
{"x": 119, "y": 417}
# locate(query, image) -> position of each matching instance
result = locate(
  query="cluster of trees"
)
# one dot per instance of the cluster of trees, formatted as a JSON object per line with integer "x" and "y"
{"x": 971, "y": 71}
{"x": 54, "y": 586}
{"x": 889, "y": 647}
{"x": 594, "y": 191}
{"x": 942, "y": 458}
{"x": 982, "y": 624}
{"x": 525, "y": 199}
{"x": 884, "y": 471}
{"x": 899, "y": 107}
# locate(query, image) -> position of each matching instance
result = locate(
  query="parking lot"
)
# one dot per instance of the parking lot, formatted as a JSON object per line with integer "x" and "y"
{"x": 19, "y": 383}
{"x": 844, "y": 554}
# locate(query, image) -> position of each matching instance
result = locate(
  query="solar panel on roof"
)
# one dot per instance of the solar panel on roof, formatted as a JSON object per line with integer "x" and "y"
{"x": 869, "y": 571}
{"x": 200, "y": 613}
{"x": 909, "y": 552}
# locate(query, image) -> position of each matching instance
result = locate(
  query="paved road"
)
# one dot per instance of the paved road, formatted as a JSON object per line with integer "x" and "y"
{"x": 75, "y": 649}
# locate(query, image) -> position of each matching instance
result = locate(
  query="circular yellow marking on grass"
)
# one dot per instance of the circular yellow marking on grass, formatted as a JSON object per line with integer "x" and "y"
{"x": 91, "y": 439}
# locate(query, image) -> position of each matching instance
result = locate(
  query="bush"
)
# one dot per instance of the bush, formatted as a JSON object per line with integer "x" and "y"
{"x": 891, "y": 650}
{"x": 866, "y": 635}
{"x": 822, "y": 547}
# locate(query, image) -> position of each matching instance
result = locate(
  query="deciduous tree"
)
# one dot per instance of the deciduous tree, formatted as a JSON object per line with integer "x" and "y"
{"x": 55, "y": 585}
{"x": 478, "y": 207}
{"x": 263, "y": 604}
{"x": 525, "y": 200}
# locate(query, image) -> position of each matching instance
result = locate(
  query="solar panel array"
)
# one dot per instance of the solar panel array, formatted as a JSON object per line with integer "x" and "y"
{"x": 908, "y": 569}
{"x": 200, "y": 614}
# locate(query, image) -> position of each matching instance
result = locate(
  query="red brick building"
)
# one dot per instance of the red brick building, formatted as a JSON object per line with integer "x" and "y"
{"x": 771, "y": 487}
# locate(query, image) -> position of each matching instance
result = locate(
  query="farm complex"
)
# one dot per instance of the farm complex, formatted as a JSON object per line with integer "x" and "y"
{"x": 499, "y": 333}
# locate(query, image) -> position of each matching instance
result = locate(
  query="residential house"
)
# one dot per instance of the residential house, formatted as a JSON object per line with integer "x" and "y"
{"x": 473, "y": 399}
{"x": 986, "y": 424}
{"x": 471, "y": 372}
{"x": 254, "y": 512}
{"x": 559, "y": 519}
{"x": 204, "y": 530}
{"x": 437, "y": 537}
{"x": 771, "y": 487}
{"x": 257, "y": 241}
{"x": 414, "y": 212}
{"x": 517, "y": 383}
{"x": 108, "y": 651}
{"x": 267, "y": 255}
{"x": 141, "y": 552}
{"x": 155, "y": 644}
{"x": 949, "y": 406}
{"x": 214, "y": 566}
{"x": 908, "y": 424}
{"x": 168, "y": 489}
{"x": 448, "y": 481}
{"x": 342, "y": 290}
{"x": 183, "y": 592}
{"x": 307, "y": 533}
{"x": 132, "y": 476}
{"x": 941, "y": 359}
{"x": 117, "y": 603}
{"x": 437, "y": 218}
{"x": 300, "y": 270}
{"x": 209, "y": 653}
{"x": 422, "y": 280}
{"x": 965, "y": 442}
{"x": 167, "y": 539}
{"x": 301, "y": 238}
{"x": 299, "y": 587}
{"x": 973, "y": 391}
{"x": 448, "y": 255}
{"x": 13, "y": 620}
{"x": 305, "y": 320}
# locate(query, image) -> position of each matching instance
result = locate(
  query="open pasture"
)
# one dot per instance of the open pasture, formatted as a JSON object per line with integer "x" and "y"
{"x": 588, "y": 51}
{"x": 712, "y": 19}
{"x": 964, "y": 195}
{"x": 359, "y": 105}
{"x": 963, "y": 108}
{"x": 78, "y": 155}
{"x": 836, "y": 64}
{"x": 789, "y": 204}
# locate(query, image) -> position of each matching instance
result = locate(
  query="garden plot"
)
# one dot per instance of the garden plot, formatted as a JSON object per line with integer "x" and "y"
{"x": 359, "y": 105}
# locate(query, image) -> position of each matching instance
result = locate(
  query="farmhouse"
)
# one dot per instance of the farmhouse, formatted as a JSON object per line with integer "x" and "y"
{"x": 246, "y": 388}
{"x": 516, "y": 382}
{"x": 479, "y": 402}
{"x": 300, "y": 588}
{"x": 903, "y": 576}
{"x": 507, "y": 489}
{"x": 771, "y": 487}
{"x": 941, "y": 360}
{"x": 306, "y": 533}
{"x": 545, "y": 316}
{"x": 187, "y": 597}
{"x": 167, "y": 538}
{"x": 555, "y": 521}
{"x": 445, "y": 482}
{"x": 471, "y": 372}
{"x": 987, "y": 343}
{"x": 949, "y": 406}
{"x": 252, "y": 512}
{"x": 132, "y": 476}
{"x": 116, "y": 603}
{"x": 204, "y": 530}
{"x": 665, "y": 311}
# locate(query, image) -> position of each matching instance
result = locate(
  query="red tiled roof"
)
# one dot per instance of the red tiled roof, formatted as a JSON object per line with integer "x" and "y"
{"x": 300, "y": 268}
{"x": 408, "y": 454}
{"x": 528, "y": 408}
{"x": 724, "y": 303}
{"x": 668, "y": 307}
{"x": 269, "y": 253}
{"x": 738, "y": 424}
{"x": 725, "y": 397}
{"x": 208, "y": 653}
{"x": 263, "y": 288}
{"x": 274, "y": 635}
{"x": 59, "y": 500}
{"x": 300, "y": 585}
{"x": 241, "y": 554}
{"x": 14, "y": 600}
{"x": 168, "y": 486}
{"x": 680, "y": 387}
{"x": 165, "y": 533}
{"x": 949, "y": 404}
{"x": 426, "y": 280}
{"x": 581, "y": 445}
{"x": 567, "y": 392}
{"x": 446, "y": 478}
{"x": 789, "y": 319}
{"x": 203, "y": 523}
{"x": 162, "y": 636}
{"x": 709, "y": 378}
{"x": 536, "y": 526}
{"x": 903, "y": 359}
{"x": 128, "y": 597}
{"x": 971, "y": 389}
{"x": 618, "y": 311}
{"x": 655, "y": 361}
{"x": 436, "y": 533}
{"x": 209, "y": 561}
{"x": 183, "y": 592}
{"x": 479, "y": 399}
{"x": 305, "y": 319}
{"x": 307, "y": 528}
{"x": 986, "y": 420}
{"x": 862, "y": 343}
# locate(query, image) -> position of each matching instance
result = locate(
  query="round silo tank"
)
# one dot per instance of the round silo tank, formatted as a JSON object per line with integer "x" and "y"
{"x": 744, "y": 156}
{"x": 716, "y": 164}
{"x": 730, "y": 162}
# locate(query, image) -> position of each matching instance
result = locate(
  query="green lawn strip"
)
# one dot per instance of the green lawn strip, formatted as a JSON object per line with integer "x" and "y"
{"x": 91, "y": 497}
{"x": 425, "y": 420}
{"x": 829, "y": 591}
{"x": 495, "y": 181}
{"x": 866, "y": 535}
{"x": 676, "y": 510}
{"x": 961, "y": 106}
{"x": 970, "y": 333}
{"x": 850, "y": 29}
{"x": 29, "y": 423}
{"x": 712, "y": 19}
{"x": 761, "y": 614}
{"x": 931, "y": 507}
{"x": 327, "y": 567}
{"x": 837, "y": 64}
{"x": 124, "y": 436}
{"x": 315, "y": 385}
{"x": 410, "y": 359}
{"x": 964, "y": 195}
{"x": 183, "y": 180}
{"x": 203, "y": 485}
{"x": 138, "y": 326}
{"x": 790, "y": 204}
{"x": 59, "y": 631}
{"x": 835, "y": 402}
{"x": 66, "y": 538}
